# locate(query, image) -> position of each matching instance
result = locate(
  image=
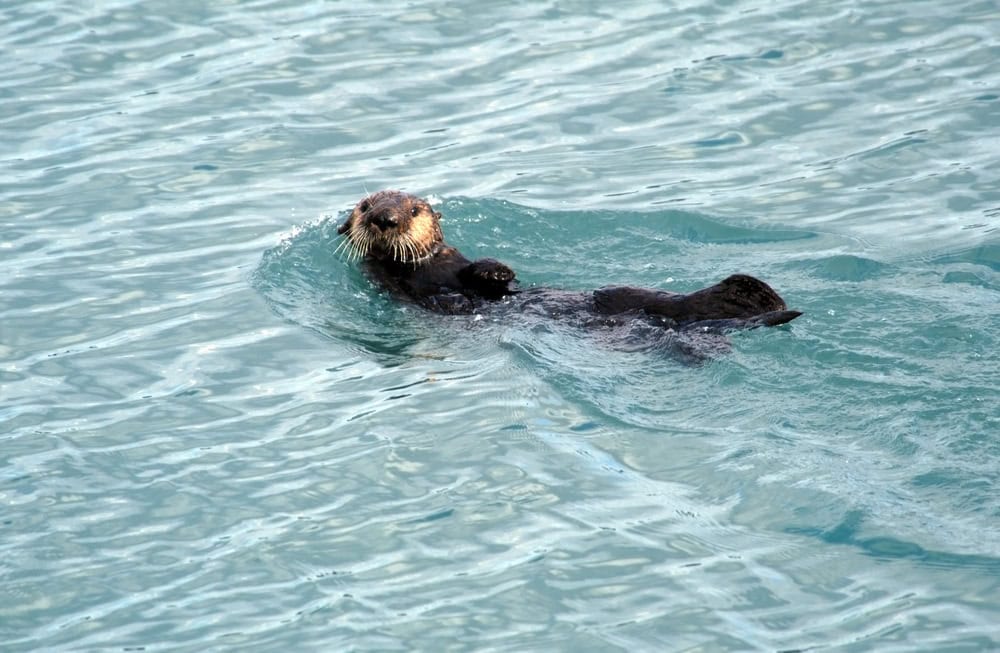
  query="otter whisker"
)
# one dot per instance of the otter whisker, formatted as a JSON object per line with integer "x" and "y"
{"x": 425, "y": 249}
{"x": 359, "y": 243}
{"x": 353, "y": 240}
{"x": 404, "y": 250}
{"x": 345, "y": 243}
{"x": 412, "y": 252}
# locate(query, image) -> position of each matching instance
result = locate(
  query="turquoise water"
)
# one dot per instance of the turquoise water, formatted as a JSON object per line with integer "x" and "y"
{"x": 216, "y": 435}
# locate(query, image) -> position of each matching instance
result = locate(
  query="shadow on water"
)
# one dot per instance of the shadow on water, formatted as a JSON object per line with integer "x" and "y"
{"x": 841, "y": 267}
{"x": 889, "y": 549}
{"x": 977, "y": 266}
{"x": 589, "y": 249}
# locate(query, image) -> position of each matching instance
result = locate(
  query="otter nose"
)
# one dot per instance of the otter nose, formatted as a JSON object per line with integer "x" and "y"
{"x": 384, "y": 220}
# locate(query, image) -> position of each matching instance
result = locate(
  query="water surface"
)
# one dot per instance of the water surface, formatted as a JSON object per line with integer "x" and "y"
{"x": 215, "y": 434}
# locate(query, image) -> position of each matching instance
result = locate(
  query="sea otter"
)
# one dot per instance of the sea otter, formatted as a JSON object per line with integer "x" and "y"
{"x": 398, "y": 236}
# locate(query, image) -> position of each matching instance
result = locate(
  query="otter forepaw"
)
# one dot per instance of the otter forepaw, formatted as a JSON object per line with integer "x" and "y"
{"x": 489, "y": 270}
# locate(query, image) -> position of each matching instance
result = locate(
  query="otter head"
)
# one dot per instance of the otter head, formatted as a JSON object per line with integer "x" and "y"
{"x": 392, "y": 226}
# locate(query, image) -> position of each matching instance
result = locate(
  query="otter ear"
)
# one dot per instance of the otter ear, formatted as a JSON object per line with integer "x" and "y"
{"x": 437, "y": 214}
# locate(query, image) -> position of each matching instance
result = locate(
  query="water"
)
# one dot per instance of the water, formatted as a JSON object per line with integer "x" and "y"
{"x": 216, "y": 435}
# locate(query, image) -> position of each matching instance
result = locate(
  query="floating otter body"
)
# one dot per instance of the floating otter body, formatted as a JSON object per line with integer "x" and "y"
{"x": 399, "y": 238}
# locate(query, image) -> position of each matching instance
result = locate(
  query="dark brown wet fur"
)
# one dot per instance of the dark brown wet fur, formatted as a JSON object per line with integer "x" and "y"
{"x": 399, "y": 238}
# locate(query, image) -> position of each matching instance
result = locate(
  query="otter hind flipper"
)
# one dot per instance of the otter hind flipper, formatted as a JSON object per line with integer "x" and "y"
{"x": 773, "y": 318}
{"x": 745, "y": 294}
{"x": 738, "y": 297}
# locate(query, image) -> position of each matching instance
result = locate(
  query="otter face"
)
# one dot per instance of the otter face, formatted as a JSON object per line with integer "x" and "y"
{"x": 392, "y": 226}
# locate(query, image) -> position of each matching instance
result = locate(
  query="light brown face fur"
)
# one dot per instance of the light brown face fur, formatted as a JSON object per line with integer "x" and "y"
{"x": 392, "y": 226}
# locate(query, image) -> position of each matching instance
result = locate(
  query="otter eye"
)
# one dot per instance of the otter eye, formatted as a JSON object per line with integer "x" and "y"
{"x": 414, "y": 211}
{"x": 365, "y": 206}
